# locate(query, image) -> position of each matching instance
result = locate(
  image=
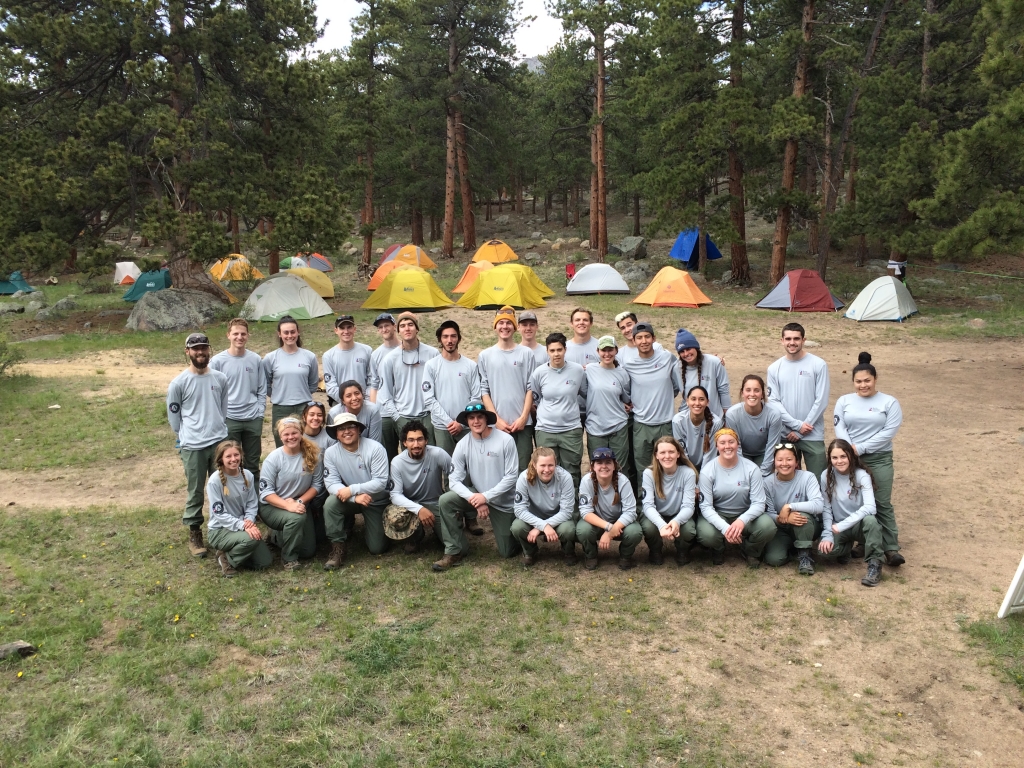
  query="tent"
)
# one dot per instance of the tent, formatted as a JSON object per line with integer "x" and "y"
{"x": 126, "y": 272}
{"x": 291, "y": 262}
{"x": 408, "y": 288}
{"x": 884, "y": 298}
{"x": 284, "y": 294}
{"x": 318, "y": 261}
{"x": 473, "y": 269}
{"x": 496, "y": 252}
{"x": 527, "y": 272}
{"x": 672, "y": 287}
{"x": 156, "y": 280}
{"x": 412, "y": 255}
{"x": 685, "y": 249}
{"x": 390, "y": 250}
{"x": 14, "y": 284}
{"x": 597, "y": 278}
{"x": 495, "y": 288}
{"x": 235, "y": 267}
{"x": 383, "y": 271}
{"x": 317, "y": 280}
{"x": 801, "y": 290}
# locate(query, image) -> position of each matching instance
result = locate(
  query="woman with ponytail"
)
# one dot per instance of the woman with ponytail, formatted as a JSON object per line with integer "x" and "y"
{"x": 694, "y": 427}
{"x": 700, "y": 370}
{"x": 233, "y": 505}
{"x": 607, "y": 511}
{"x": 869, "y": 420}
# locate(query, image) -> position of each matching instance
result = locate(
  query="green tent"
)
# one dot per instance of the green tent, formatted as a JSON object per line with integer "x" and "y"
{"x": 15, "y": 284}
{"x": 156, "y": 280}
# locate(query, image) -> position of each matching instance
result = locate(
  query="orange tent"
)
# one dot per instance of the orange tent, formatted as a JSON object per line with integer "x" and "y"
{"x": 412, "y": 255}
{"x": 495, "y": 251}
{"x": 470, "y": 275}
{"x": 383, "y": 271}
{"x": 672, "y": 287}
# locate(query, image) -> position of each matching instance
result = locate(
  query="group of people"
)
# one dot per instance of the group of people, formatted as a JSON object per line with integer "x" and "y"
{"x": 418, "y": 439}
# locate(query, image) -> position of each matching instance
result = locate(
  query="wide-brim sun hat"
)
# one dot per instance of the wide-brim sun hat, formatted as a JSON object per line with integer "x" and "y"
{"x": 476, "y": 408}
{"x": 340, "y": 420}
{"x": 400, "y": 523}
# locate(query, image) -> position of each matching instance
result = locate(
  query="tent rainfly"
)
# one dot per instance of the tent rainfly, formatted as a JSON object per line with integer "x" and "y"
{"x": 473, "y": 269}
{"x": 672, "y": 287}
{"x": 382, "y": 271}
{"x": 126, "y": 273}
{"x": 686, "y": 250}
{"x": 884, "y": 298}
{"x": 597, "y": 278}
{"x": 498, "y": 287}
{"x": 317, "y": 261}
{"x": 156, "y": 280}
{"x": 285, "y": 294}
{"x": 14, "y": 284}
{"x": 412, "y": 255}
{"x": 291, "y": 262}
{"x": 532, "y": 277}
{"x": 801, "y": 290}
{"x": 408, "y": 288}
{"x": 390, "y": 250}
{"x": 235, "y": 267}
{"x": 496, "y": 252}
{"x": 317, "y": 280}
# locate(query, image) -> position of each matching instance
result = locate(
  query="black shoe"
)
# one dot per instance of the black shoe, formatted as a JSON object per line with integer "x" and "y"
{"x": 529, "y": 561}
{"x": 473, "y": 527}
{"x": 656, "y": 557}
{"x": 591, "y": 564}
{"x": 843, "y": 559}
{"x": 682, "y": 556}
{"x": 894, "y": 559}
{"x": 805, "y": 566}
{"x": 857, "y": 551}
{"x": 625, "y": 563}
{"x": 874, "y": 574}
{"x": 717, "y": 558}
{"x": 570, "y": 559}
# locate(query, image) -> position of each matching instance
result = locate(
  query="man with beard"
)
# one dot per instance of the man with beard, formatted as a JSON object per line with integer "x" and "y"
{"x": 449, "y": 382}
{"x": 417, "y": 481}
{"x": 197, "y": 409}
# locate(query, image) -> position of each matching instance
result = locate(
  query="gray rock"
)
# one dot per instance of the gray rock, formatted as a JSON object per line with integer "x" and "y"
{"x": 66, "y": 304}
{"x": 994, "y": 297}
{"x": 614, "y": 250}
{"x": 532, "y": 258}
{"x": 697, "y": 277}
{"x": 48, "y": 313}
{"x": 811, "y": 344}
{"x": 435, "y": 251}
{"x": 502, "y": 220}
{"x": 174, "y": 309}
{"x": 11, "y": 309}
{"x": 112, "y": 312}
{"x": 18, "y": 294}
{"x": 633, "y": 248}
{"x": 34, "y": 306}
{"x": 536, "y": 235}
{"x": 585, "y": 245}
{"x": 87, "y": 325}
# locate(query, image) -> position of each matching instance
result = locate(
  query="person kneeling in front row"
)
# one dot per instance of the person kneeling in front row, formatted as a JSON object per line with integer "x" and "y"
{"x": 668, "y": 495}
{"x": 607, "y": 511}
{"x": 233, "y": 532}
{"x": 290, "y": 480}
{"x": 544, "y": 503}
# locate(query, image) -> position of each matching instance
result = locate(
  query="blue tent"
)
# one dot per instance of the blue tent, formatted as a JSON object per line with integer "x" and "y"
{"x": 157, "y": 280}
{"x": 685, "y": 249}
{"x": 15, "y": 284}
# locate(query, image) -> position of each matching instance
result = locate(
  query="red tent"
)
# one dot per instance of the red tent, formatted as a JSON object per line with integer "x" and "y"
{"x": 389, "y": 250}
{"x": 801, "y": 290}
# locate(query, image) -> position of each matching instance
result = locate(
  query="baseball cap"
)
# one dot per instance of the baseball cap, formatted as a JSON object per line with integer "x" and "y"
{"x": 643, "y": 328}
{"x": 527, "y": 316}
{"x": 607, "y": 342}
{"x": 341, "y": 320}
{"x": 196, "y": 340}
{"x": 384, "y": 317}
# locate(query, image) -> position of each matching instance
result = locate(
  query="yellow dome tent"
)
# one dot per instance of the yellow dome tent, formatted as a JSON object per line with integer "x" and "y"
{"x": 527, "y": 271}
{"x": 672, "y": 287}
{"x": 235, "y": 267}
{"x": 494, "y": 288}
{"x": 317, "y": 280}
{"x": 495, "y": 251}
{"x": 469, "y": 277}
{"x": 410, "y": 288}
{"x": 412, "y": 255}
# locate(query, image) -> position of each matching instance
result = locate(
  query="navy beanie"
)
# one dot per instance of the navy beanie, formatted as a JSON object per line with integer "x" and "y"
{"x": 686, "y": 340}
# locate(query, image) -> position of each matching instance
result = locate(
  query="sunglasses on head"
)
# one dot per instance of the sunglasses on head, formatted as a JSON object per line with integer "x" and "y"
{"x": 790, "y": 446}
{"x": 475, "y": 408}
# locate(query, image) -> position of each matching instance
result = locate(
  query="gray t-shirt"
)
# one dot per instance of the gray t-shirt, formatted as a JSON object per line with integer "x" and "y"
{"x": 364, "y": 470}
{"x": 541, "y": 504}
{"x": 368, "y": 416}
{"x": 291, "y": 379}
{"x": 376, "y": 360}
{"x": 850, "y": 503}
{"x": 713, "y": 378}
{"x": 654, "y": 384}
{"x": 416, "y": 484}
{"x": 490, "y": 465}
{"x": 286, "y": 475}
{"x": 322, "y": 439}
{"x": 627, "y": 352}
{"x": 608, "y": 391}
{"x": 869, "y": 423}
{"x": 540, "y": 353}
{"x": 758, "y": 434}
{"x": 691, "y": 437}
{"x": 231, "y": 509}
{"x": 602, "y": 502}
{"x": 197, "y": 406}
{"x": 556, "y": 391}
{"x": 341, "y": 365}
{"x": 505, "y": 377}
{"x": 582, "y": 354}
{"x": 247, "y": 386}
{"x": 448, "y": 386}
{"x": 802, "y": 493}
{"x": 402, "y": 383}
{"x": 799, "y": 388}
{"x": 736, "y": 492}
{"x": 680, "y": 496}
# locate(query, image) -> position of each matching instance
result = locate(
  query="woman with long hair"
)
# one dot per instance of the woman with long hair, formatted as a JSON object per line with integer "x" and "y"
{"x": 848, "y": 515}
{"x": 292, "y": 374}
{"x": 544, "y": 501}
{"x": 695, "y": 426}
{"x": 700, "y": 370}
{"x": 607, "y": 511}
{"x": 233, "y": 506}
{"x": 758, "y": 425}
{"x": 794, "y": 502}
{"x": 354, "y": 401}
{"x": 314, "y": 417}
{"x": 869, "y": 420}
{"x": 668, "y": 495}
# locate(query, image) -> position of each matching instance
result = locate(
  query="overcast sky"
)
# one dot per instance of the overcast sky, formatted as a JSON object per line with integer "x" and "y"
{"x": 532, "y": 40}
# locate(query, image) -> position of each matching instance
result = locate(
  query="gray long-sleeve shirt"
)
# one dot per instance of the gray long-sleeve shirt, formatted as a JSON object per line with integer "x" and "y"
{"x": 401, "y": 376}
{"x": 375, "y": 360}
{"x": 541, "y": 504}
{"x": 416, "y": 484}
{"x": 448, "y": 386}
{"x": 197, "y": 406}
{"x": 286, "y": 475}
{"x": 247, "y": 386}
{"x": 582, "y": 354}
{"x": 364, "y": 470}
{"x": 602, "y": 501}
{"x": 540, "y": 353}
{"x": 505, "y": 377}
{"x": 799, "y": 389}
{"x": 322, "y": 439}
{"x": 680, "y": 496}
{"x": 849, "y": 503}
{"x": 713, "y": 378}
{"x": 802, "y": 493}
{"x": 368, "y": 416}
{"x": 654, "y": 384}
{"x": 490, "y": 465}
{"x": 341, "y": 365}
{"x": 556, "y": 391}
{"x": 691, "y": 437}
{"x": 631, "y": 353}
{"x": 291, "y": 379}
{"x": 737, "y": 493}
{"x": 239, "y": 504}
{"x": 608, "y": 391}
{"x": 869, "y": 423}
{"x": 758, "y": 434}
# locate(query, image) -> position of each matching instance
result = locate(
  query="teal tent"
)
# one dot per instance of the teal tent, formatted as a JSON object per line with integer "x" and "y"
{"x": 15, "y": 284}
{"x": 156, "y": 280}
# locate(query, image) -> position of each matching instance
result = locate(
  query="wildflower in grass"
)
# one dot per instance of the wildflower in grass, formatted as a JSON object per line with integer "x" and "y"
{"x": 177, "y": 618}
{"x": 20, "y": 674}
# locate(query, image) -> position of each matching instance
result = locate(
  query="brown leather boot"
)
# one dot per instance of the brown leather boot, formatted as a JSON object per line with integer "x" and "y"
{"x": 195, "y": 542}
{"x": 446, "y": 562}
{"x": 337, "y": 557}
{"x": 225, "y": 565}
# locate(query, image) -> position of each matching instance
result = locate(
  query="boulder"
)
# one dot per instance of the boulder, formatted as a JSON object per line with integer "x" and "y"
{"x": 614, "y": 250}
{"x": 585, "y": 245}
{"x": 532, "y": 258}
{"x": 34, "y": 306}
{"x": 174, "y": 309}
{"x": 11, "y": 309}
{"x": 633, "y": 248}
{"x": 47, "y": 313}
{"x": 536, "y": 235}
{"x": 18, "y": 294}
{"x": 435, "y": 251}
{"x": 572, "y": 241}
{"x": 502, "y": 220}
{"x": 379, "y": 251}
{"x": 545, "y": 241}
{"x": 556, "y": 246}
{"x": 66, "y": 304}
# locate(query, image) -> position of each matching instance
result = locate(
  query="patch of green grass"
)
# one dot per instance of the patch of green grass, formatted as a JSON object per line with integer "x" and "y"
{"x": 152, "y": 658}
{"x": 1004, "y": 640}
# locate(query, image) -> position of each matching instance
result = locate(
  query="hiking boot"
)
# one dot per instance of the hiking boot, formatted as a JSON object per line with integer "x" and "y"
{"x": 682, "y": 555}
{"x": 655, "y": 557}
{"x": 843, "y": 559}
{"x": 894, "y": 559}
{"x": 752, "y": 562}
{"x": 225, "y": 565}
{"x": 590, "y": 564}
{"x": 874, "y": 574}
{"x": 291, "y": 565}
{"x": 473, "y": 527}
{"x": 717, "y": 558}
{"x": 410, "y": 548}
{"x": 626, "y": 563}
{"x": 529, "y": 561}
{"x": 446, "y": 562}
{"x": 337, "y": 557}
{"x": 195, "y": 542}
{"x": 570, "y": 558}
{"x": 857, "y": 550}
{"x": 805, "y": 565}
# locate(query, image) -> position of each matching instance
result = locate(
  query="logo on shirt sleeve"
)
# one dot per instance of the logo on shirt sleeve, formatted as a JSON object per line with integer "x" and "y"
{"x": 174, "y": 407}
{"x": 643, "y": 493}
{"x": 390, "y": 485}
{"x": 425, "y": 386}
{"x": 584, "y": 500}
{"x": 327, "y": 377}
{"x": 451, "y": 468}
{"x": 217, "y": 508}
{"x": 264, "y": 485}
{"x": 519, "y": 497}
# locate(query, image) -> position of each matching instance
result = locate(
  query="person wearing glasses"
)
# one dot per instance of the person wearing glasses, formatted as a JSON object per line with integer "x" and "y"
{"x": 292, "y": 374}
{"x": 388, "y": 332}
{"x": 869, "y": 420}
{"x": 609, "y": 403}
{"x": 732, "y": 503}
{"x": 793, "y": 500}
{"x": 700, "y": 370}
{"x": 557, "y": 387}
{"x": 695, "y": 427}
{"x": 401, "y": 376}
{"x": 668, "y": 497}
{"x": 758, "y": 425}
{"x": 482, "y": 479}
{"x": 607, "y": 512}
{"x": 544, "y": 506}
{"x": 417, "y": 481}
{"x": 348, "y": 360}
{"x": 450, "y": 381}
{"x": 354, "y": 402}
{"x": 247, "y": 393}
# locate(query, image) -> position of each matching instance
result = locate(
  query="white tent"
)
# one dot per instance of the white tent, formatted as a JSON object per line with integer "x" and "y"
{"x": 126, "y": 273}
{"x": 597, "y": 278}
{"x": 883, "y": 299}
{"x": 285, "y": 295}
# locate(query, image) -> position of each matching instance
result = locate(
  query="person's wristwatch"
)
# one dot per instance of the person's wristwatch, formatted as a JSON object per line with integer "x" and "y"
{"x": 608, "y": 527}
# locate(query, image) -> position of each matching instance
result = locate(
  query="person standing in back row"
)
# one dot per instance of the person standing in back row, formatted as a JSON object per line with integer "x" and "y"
{"x": 798, "y": 384}
{"x": 528, "y": 328}
{"x": 292, "y": 374}
{"x": 449, "y": 382}
{"x": 582, "y": 348}
{"x": 700, "y": 370}
{"x": 608, "y": 405}
{"x": 388, "y": 331}
{"x": 197, "y": 409}
{"x": 654, "y": 382}
{"x": 401, "y": 377}
{"x": 247, "y": 394}
{"x": 348, "y": 360}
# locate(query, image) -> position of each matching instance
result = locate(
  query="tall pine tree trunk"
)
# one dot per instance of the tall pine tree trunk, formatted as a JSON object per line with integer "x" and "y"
{"x": 702, "y": 232}
{"x": 368, "y": 208}
{"x": 636, "y": 214}
{"x": 448, "y": 242}
{"x": 417, "y": 223}
{"x": 468, "y": 217}
{"x": 602, "y": 185}
{"x": 593, "y": 188}
{"x": 737, "y": 203}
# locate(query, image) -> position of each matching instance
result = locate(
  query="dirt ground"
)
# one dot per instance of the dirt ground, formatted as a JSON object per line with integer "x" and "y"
{"x": 817, "y": 671}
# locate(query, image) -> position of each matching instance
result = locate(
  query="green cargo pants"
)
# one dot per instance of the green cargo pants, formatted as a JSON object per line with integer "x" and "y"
{"x": 619, "y": 442}
{"x": 644, "y": 436}
{"x": 453, "y": 506}
{"x": 880, "y": 466}
{"x": 443, "y": 439}
{"x": 655, "y": 542}
{"x": 389, "y": 437}
{"x": 198, "y": 468}
{"x": 250, "y": 435}
{"x": 568, "y": 448}
{"x": 241, "y": 549}
{"x": 868, "y": 531}
{"x": 813, "y": 454}
{"x": 588, "y": 535}
{"x": 756, "y": 535}
{"x": 789, "y": 537}
{"x": 278, "y": 412}
{"x": 297, "y": 534}
{"x": 566, "y": 537}
{"x": 524, "y": 446}
{"x": 424, "y": 419}
{"x": 339, "y": 514}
